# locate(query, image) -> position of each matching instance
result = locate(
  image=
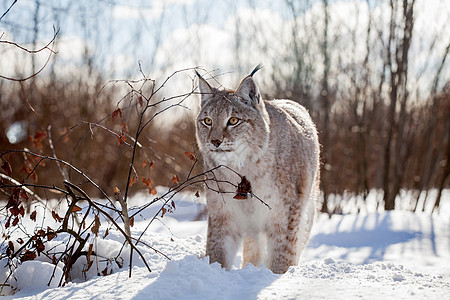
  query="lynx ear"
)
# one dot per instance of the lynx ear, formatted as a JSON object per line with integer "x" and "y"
{"x": 248, "y": 91}
{"x": 206, "y": 90}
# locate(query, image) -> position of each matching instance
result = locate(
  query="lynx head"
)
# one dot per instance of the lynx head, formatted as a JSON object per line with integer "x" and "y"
{"x": 232, "y": 126}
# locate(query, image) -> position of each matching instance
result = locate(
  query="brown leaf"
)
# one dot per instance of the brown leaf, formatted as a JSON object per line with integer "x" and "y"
{"x": 38, "y": 138}
{"x": 132, "y": 222}
{"x": 95, "y": 228}
{"x": 124, "y": 127}
{"x": 51, "y": 234}
{"x": 190, "y": 155}
{"x": 117, "y": 112}
{"x": 163, "y": 212}
{"x": 28, "y": 255}
{"x": 244, "y": 188}
{"x": 173, "y": 204}
{"x": 16, "y": 221}
{"x": 147, "y": 182}
{"x": 7, "y": 167}
{"x": 56, "y": 216}
{"x": 149, "y": 163}
{"x": 39, "y": 246}
{"x": 121, "y": 139}
{"x": 175, "y": 179}
{"x": 21, "y": 211}
{"x": 41, "y": 233}
{"x": 197, "y": 194}
{"x": 24, "y": 195}
{"x": 33, "y": 216}
{"x": 15, "y": 211}
{"x": 11, "y": 246}
{"x": 153, "y": 191}
{"x": 76, "y": 208}
{"x": 105, "y": 271}
{"x": 106, "y": 233}
{"x": 132, "y": 181}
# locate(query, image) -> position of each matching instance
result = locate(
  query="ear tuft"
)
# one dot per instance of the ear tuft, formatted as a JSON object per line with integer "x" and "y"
{"x": 256, "y": 69}
{"x": 206, "y": 90}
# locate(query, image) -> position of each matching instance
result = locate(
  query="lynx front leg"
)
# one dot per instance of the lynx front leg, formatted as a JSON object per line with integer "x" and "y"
{"x": 282, "y": 242}
{"x": 281, "y": 251}
{"x": 222, "y": 242}
{"x": 251, "y": 252}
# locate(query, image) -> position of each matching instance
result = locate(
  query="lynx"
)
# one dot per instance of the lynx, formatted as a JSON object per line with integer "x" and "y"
{"x": 274, "y": 145}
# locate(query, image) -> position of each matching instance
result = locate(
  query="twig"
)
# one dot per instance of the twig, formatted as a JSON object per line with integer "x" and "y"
{"x": 111, "y": 219}
{"x": 9, "y": 8}
{"x": 33, "y": 52}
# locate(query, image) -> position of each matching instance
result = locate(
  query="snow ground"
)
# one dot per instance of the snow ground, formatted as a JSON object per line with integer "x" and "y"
{"x": 371, "y": 255}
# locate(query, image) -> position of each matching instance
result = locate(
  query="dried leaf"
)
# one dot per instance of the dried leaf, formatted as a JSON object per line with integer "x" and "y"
{"x": 132, "y": 181}
{"x": 96, "y": 227}
{"x": 153, "y": 191}
{"x": 33, "y": 216}
{"x": 64, "y": 133}
{"x": 11, "y": 246}
{"x": 39, "y": 246}
{"x": 117, "y": 112}
{"x": 197, "y": 194}
{"x": 38, "y": 138}
{"x": 105, "y": 271}
{"x": 121, "y": 139}
{"x": 56, "y": 216}
{"x": 124, "y": 127}
{"x": 76, "y": 208}
{"x": 106, "y": 233}
{"x": 51, "y": 234}
{"x": 173, "y": 204}
{"x": 132, "y": 222}
{"x": 147, "y": 182}
{"x": 16, "y": 221}
{"x": 28, "y": 255}
{"x": 244, "y": 188}
{"x": 141, "y": 101}
{"x": 7, "y": 167}
{"x": 21, "y": 211}
{"x": 190, "y": 155}
{"x": 175, "y": 179}
{"x": 41, "y": 233}
{"x": 163, "y": 212}
{"x": 15, "y": 210}
{"x": 24, "y": 195}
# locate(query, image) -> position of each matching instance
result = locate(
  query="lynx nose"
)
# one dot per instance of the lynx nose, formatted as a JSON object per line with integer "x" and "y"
{"x": 216, "y": 143}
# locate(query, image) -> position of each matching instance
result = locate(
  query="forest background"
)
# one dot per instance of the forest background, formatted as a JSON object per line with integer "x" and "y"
{"x": 374, "y": 75}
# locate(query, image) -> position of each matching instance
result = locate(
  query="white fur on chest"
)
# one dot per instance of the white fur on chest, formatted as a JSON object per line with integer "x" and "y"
{"x": 250, "y": 215}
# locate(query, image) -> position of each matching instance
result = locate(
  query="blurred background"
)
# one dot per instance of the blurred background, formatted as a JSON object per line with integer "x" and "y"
{"x": 375, "y": 76}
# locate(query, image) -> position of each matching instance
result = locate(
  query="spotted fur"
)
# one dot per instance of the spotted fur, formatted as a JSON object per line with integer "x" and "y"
{"x": 275, "y": 146}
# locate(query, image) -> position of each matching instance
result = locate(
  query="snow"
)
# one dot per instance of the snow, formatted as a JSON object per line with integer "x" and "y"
{"x": 370, "y": 255}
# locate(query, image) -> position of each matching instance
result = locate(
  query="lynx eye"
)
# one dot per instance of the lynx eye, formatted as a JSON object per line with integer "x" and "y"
{"x": 207, "y": 121}
{"x": 233, "y": 121}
